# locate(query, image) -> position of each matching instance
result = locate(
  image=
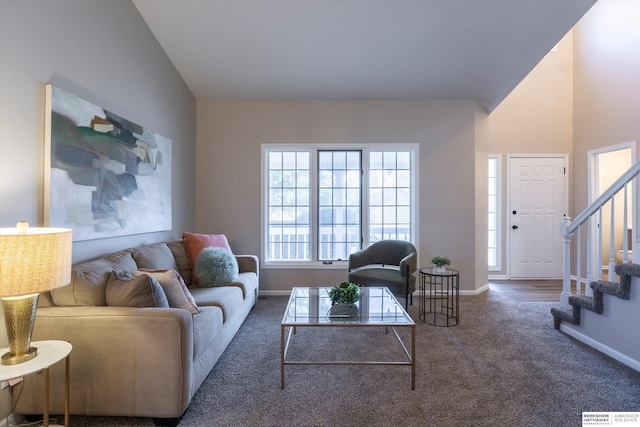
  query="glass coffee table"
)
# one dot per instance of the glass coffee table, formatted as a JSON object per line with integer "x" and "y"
{"x": 311, "y": 307}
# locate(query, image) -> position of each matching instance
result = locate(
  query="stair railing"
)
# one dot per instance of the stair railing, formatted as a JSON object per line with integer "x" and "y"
{"x": 588, "y": 225}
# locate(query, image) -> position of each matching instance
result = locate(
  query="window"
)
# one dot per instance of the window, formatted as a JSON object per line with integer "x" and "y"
{"x": 323, "y": 203}
{"x": 495, "y": 195}
{"x": 339, "y": 204}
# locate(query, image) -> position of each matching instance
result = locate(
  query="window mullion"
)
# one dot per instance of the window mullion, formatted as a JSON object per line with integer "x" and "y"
{"x": 364, "y": 212}
{"x": 313, "y": 205}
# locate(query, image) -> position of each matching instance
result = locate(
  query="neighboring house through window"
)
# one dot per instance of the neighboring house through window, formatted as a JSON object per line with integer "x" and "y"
{"x": 323, "y": 202}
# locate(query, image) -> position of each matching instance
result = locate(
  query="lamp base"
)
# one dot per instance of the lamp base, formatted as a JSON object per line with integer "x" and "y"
{"x": 10, "y": 359}
{"x": 19, "y": 317}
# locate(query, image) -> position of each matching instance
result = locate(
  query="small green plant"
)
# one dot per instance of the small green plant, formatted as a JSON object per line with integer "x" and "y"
{"x": 345, "y": 293}
{"x": 440, "y": 261}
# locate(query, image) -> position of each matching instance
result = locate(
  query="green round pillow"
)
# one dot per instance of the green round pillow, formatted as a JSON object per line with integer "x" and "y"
{"x": 215, "y": 267}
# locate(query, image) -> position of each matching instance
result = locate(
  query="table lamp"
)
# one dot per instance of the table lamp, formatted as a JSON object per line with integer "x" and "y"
{"x": 32, "y": 260}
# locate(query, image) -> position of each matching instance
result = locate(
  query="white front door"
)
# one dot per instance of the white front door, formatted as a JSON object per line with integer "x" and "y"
{"x": 537, "y": 203}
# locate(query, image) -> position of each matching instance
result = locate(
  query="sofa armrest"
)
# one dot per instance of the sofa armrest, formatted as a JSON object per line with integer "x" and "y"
{"x": 121, "y": 357}
{"x": 248, "y": 264}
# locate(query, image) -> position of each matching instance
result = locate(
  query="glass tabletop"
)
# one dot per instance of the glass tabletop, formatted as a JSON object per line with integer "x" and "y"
{"x": 312, "y": 306}
{"x": 432, "y": 271}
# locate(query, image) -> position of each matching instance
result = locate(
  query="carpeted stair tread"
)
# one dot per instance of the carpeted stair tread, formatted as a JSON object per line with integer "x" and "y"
{"x": 560, "y": 314}
{"x": 595, "y": 303}
{"x": 606, "y": 287}
{"x": 592, "y": 303}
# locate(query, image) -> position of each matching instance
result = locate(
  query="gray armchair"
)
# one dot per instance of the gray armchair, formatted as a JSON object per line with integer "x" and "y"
{"x": 389, "y": 263}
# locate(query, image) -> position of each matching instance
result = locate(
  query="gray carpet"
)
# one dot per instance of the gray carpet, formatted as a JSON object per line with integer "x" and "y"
{"x": 503, "y": 365}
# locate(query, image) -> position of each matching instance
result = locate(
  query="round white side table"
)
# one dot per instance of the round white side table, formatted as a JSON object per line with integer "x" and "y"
{"x": 49, "y": 353}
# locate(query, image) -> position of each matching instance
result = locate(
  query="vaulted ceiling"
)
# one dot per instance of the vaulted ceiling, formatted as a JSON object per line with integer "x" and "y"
{"x": 358, "y": 49}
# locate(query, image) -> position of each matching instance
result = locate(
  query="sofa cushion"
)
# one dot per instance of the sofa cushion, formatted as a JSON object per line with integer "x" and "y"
{"x": 156, "y": 256}
{"x": 182, "y": 259}
{"x": 248, "y": 282}
{"x": 206, "y": 326}
{"x": 195, "y": 242}
{"x": 124, "y": 290}
{"x": 88, "y": 281}
{"x": 228, "y": 298}
{"x": 174, "y": 287}
{"x": 215, "y": 267}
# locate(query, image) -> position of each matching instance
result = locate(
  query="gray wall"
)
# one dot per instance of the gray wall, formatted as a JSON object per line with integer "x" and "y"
{"x": 230, "y": 133}
{"x": 104, "y": 52}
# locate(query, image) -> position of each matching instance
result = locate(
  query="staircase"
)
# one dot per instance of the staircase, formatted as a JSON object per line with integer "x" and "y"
{"x": 611, "y": 311}
{"x": 595, "y": 302}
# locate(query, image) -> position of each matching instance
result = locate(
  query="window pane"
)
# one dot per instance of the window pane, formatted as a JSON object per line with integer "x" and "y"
{"x": 404, "y": 178}
{"x": 492, "y": 208}
{"x": 375, "y": 178}
{"x": 288, "y": 224}
{"x": 339, "y": 203}
{"x": 390, "y": 195}
{"x": 289, "y": 197}
{"x": 275, "y": 179}
{"x": 275, "y": 197}
{"x": 389, "y": 160}
{"x": 325, "y": 160}
{"x": 325, "y": 196}
{"x": 404, "y": 196}
{"x": 375, "y": 196}
{"x": 289, "y": 179}
{"x": 289, "y": 160}
{"x": 404, "y": 160}
{"x": 275, "y": 160}
{"x": 325, "y": 179}
{"x": 375, "y": 160}
{"x": 302, "y": 178}
{"x": 404, "y": 214}
{"x": 389, "y": 178}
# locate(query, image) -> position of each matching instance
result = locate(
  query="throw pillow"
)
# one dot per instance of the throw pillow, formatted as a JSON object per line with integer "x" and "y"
{"x": 89, "y": 279}
{"x": 177, "y": 292}
{"x": 216, "y": 267}
{"x": 194, "y": 243}
{"x": 183, "y": 265}
{"x": 154, "y": 256}
{"x": 123, "y": 290}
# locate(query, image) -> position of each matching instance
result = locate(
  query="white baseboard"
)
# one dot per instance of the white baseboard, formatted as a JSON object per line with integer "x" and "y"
{"x": 615, "y": 354}
{"x": 475, "y": 292}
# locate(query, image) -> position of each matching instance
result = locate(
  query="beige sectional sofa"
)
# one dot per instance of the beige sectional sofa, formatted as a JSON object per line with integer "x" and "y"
{"x": 130, "y": 361}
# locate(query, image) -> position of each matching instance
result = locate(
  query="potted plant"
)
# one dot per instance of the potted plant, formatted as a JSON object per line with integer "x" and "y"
{"x": 343, "y": 297}
{"x": 345, "y": 293}
{"x": 440, "y": 264}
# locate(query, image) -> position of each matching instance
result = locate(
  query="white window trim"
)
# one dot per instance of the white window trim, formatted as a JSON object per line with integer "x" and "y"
{"x": 335, "y": 265}
{"x": 499, "y": 213}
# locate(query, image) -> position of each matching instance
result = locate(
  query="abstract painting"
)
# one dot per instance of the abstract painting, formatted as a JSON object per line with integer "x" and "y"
{"x": 106, "y": 176}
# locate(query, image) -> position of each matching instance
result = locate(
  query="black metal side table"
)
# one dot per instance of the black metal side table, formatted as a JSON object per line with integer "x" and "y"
{"x": 439, "y": 295}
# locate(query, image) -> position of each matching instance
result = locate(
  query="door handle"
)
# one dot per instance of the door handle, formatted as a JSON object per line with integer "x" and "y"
{"x": 515, "y": 227}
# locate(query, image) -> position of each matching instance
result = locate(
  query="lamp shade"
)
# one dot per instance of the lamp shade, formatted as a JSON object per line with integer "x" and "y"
{"x": 34, "y": 260}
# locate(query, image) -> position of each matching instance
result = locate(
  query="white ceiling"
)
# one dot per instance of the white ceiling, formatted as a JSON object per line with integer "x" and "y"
{"x": 358, "y": 49}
